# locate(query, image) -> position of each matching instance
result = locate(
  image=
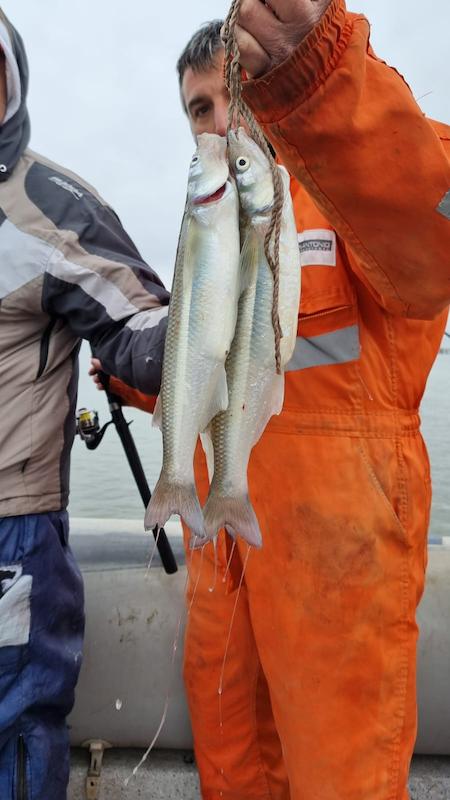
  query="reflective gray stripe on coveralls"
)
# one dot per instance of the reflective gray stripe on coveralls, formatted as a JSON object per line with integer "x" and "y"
{"x": 337, "y": 347}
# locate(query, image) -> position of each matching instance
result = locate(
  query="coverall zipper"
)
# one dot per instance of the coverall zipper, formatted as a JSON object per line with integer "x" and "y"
{"x": 21, "y": 769}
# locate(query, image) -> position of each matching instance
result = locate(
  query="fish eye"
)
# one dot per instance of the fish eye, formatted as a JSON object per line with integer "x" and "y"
{"x": 194, "y": 159}
{"x": 242, "y": 163}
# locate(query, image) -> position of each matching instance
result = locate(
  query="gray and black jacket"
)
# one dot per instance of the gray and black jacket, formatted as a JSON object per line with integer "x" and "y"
{"x": 68, "y": 271}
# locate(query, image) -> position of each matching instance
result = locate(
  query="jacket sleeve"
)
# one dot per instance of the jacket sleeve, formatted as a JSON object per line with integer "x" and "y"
{"x": 97, "y": 282}
{"x": 347, "y": 126}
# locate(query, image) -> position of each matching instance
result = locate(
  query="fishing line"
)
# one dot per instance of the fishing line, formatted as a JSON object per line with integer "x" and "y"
{"x": 237, "y": 109}
{"x": 152, "y": 555}
{"x": 214, "y": 584}
{"x": 364, "y": 384}
{"x": 197, "y": 579}
{"x": 222, "y": 672}
{"x": 229, "y": 561}
{"x": 172, "y": 663}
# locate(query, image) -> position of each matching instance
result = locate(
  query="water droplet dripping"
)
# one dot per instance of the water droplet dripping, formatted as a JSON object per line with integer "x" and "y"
{"x": 118, "y": 704}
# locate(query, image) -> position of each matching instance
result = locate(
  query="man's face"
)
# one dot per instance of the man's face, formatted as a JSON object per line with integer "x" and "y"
{"x": 206, "y": 98}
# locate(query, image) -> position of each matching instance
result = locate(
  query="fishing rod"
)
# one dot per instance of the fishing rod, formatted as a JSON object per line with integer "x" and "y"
{"x": 88, "y": 427}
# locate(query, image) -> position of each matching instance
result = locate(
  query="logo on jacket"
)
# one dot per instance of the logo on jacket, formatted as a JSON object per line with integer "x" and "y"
{"x": 67, "y": 186}
{"x": 315, "y": 244}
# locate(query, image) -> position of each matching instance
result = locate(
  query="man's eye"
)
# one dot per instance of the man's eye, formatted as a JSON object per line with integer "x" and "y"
{"x": 201, "y": 111}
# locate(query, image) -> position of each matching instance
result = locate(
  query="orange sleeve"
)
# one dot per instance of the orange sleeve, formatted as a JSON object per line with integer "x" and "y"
{"x": 132, "y": 397}
{"x": 347, "y": 126}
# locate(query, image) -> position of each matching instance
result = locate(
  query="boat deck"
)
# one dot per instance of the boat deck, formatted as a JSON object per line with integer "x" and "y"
{"x": 132, "y": 617}
{"x": 171, "y": 774}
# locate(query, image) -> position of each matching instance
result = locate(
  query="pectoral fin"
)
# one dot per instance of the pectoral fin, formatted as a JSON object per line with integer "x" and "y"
{"x": 217, "y": 399}
{"x": 157, "y": 413}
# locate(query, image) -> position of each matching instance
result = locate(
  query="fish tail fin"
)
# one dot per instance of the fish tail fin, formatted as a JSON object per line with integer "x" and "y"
{"x": 174, "y": 498}
{"x": 234, "y": 513}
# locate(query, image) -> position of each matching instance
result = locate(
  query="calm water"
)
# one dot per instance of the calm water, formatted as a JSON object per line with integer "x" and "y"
{"x": 102, "y": 485}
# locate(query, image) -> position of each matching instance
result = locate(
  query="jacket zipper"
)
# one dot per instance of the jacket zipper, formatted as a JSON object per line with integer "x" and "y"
{"x": 21, "y": 769}
{"x": 304, "y": 317}
{"x": 44, "y": 348}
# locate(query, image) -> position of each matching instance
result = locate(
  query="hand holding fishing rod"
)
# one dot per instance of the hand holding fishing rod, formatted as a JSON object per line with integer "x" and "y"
{"x": 92, "y": 435}
{"x": 267, "y": 33}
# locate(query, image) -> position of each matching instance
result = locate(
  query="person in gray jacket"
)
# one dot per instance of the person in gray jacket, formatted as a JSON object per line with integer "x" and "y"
{"x": 68, "y": 271}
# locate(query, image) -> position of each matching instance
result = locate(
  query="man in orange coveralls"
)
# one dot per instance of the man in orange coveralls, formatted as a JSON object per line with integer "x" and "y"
{"x": 318, "y": 694}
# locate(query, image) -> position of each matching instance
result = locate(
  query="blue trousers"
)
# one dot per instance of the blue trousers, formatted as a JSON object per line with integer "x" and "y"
{"x": 41, "y": 634}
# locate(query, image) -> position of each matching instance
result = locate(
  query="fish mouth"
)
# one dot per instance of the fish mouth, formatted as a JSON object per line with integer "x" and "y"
{"x": 211, "y": 198}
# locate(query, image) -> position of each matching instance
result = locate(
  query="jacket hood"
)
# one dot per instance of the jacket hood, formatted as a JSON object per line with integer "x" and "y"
{"x": 15, "y": 130}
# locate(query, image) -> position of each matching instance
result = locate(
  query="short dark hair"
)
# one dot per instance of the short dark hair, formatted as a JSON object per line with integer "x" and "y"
{"x": 201, "y": 48}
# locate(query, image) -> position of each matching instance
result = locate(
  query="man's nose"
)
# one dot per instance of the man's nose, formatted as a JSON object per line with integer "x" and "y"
{"x": 221, "y": 118}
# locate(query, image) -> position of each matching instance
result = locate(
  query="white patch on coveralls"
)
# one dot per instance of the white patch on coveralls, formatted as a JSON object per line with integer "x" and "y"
{"x": 317, "y": 247}
{"x": 15, "y": 613}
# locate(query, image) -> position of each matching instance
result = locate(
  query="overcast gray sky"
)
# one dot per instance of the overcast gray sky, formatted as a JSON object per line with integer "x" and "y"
{"x": 104, "y": 95}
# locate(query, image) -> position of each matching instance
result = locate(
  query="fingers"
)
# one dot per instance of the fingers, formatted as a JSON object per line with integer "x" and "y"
{"x": 276, "y": 9}
{"x": 260, "y": 23}
{"x": 253, "y": 15}
{"x": 253, "y": 57}
{"x": 93, "y": 370}
{"x": 263, "y": 39}
{"x": 285, "y": 10}
{"x": 298, "y": 11}
{"x": 95, "y": 365}
{"x": 257, "y": 14}
{"x": 99, "y": 384}
{"x": 268, "y": 32}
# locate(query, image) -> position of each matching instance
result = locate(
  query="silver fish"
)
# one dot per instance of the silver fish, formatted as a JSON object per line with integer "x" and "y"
{"x": 256, "y": 391}
{"x": 202, "y": 319}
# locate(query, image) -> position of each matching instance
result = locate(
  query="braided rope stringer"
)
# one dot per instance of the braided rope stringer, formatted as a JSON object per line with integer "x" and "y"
{"x": 237, "y": 109}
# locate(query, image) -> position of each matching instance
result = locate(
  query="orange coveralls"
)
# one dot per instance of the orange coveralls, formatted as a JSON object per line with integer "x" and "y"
{"x": 318, "y": 694}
